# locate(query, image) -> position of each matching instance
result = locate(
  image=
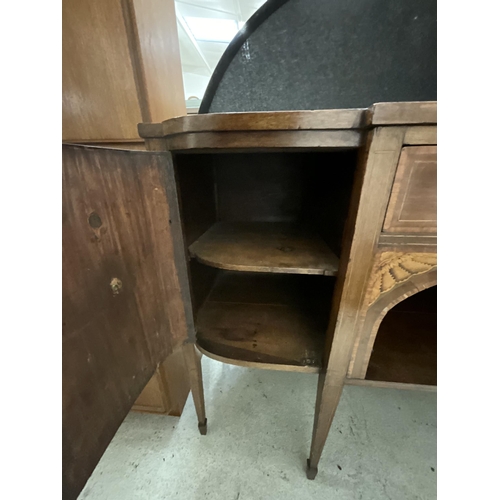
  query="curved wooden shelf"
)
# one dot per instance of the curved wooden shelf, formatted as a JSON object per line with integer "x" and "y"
{"x": 272, "y": 321}
{"x": 265, "y": 247}
{"x": 256, "y": 364}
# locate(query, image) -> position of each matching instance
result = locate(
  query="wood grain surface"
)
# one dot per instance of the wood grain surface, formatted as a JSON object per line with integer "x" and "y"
{"x": 330, "y": 119}
{"x": 168, "y": 389}
{"x": 403, "y": 113}
{"x": 121, "y": 66}
{"x": 266, "y": 318}
{"x": 412, "y": 205}
{"x": 100, "y": 99}
{"x": 123, "y": 307}
{"x": 277, "y": 247}
{"x": 264, "y": 140}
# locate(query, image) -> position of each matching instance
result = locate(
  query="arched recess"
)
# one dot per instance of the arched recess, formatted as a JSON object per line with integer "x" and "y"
{"x": 377, "y": 312}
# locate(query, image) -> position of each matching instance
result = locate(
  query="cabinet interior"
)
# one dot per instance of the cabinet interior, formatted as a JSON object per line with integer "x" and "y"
{"x": 263, "y": 232}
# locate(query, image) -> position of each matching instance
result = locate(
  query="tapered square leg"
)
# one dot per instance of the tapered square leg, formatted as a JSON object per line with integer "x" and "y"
{"x": 327, "y": 400}
{"x": 193, "y": 363}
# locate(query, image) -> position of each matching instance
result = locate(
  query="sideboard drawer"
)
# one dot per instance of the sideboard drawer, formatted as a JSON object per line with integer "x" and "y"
{"x": 412, "y": 205}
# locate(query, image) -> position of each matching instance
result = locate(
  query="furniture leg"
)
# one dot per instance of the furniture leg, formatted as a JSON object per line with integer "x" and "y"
{"x": 327, "y": 400}
{"x": 193, "y": 362}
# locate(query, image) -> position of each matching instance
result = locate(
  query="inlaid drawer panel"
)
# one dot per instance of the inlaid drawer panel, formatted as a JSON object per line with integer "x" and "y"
{"x": 412, "y": 205}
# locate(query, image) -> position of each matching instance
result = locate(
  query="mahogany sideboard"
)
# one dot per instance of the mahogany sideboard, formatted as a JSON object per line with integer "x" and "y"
{"x": 277, "y": 240}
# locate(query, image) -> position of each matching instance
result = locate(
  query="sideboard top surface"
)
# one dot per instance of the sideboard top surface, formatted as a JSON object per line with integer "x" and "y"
{"x": 333, "y": 120}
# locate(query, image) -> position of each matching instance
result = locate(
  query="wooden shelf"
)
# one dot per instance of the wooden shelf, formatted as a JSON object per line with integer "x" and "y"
{"x": 269, "y": 247}
{"x": 266, "y": 319}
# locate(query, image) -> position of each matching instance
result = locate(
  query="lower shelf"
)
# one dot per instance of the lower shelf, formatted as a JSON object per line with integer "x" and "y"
{"x": 265, "y": 319}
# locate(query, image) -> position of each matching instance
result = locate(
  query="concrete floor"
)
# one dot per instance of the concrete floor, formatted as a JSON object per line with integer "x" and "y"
{"x": 382, "y": 444}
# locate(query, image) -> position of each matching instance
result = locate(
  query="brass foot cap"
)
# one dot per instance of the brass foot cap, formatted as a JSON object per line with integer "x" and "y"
{"x": 202, "y": 427}
{"x": 311, "y": 471}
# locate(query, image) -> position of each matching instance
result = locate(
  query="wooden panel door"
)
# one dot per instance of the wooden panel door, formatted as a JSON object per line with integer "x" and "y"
{"x": 125, "y": 293}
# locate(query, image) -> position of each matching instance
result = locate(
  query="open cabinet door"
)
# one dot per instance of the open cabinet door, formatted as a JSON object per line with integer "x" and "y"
{"x": 126, "y": 303}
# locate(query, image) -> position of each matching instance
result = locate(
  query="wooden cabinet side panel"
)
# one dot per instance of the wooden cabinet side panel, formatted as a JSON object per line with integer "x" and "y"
{"x": 168, "y": 389}
{"x": 123, "y": 309}
{"x": 100, "y": 100}
{"x": 159, "y": 52}
{"x": 152, "y": 397}
{"x": 175, "y": 380}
